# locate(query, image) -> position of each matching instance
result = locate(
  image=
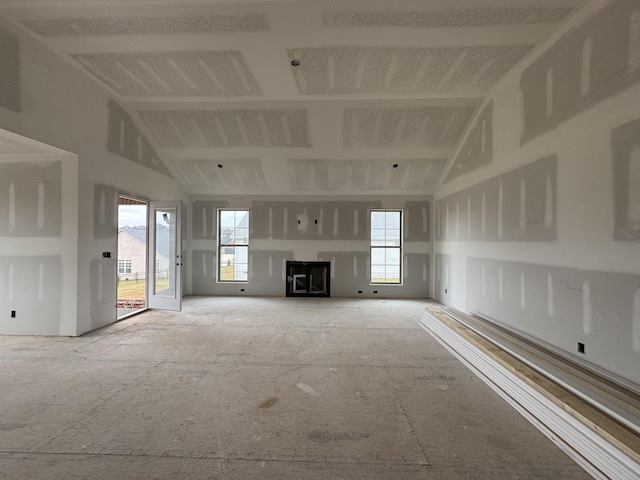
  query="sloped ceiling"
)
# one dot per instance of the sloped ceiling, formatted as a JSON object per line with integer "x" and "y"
{"x": 382, "y": 94}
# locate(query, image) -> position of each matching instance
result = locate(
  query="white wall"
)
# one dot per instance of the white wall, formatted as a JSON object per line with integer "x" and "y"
{"x": 62, "y": 108}
{"x": 285, "y": 228}
{"x": 562, "y": 273}
{"x": 39, "y": 229}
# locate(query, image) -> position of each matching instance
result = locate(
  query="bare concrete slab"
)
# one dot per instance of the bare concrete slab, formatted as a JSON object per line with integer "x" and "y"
{"x": 240, "y": 388}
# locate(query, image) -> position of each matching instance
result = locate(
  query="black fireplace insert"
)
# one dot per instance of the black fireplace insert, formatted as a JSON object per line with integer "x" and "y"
{"x": 308, "y": 279}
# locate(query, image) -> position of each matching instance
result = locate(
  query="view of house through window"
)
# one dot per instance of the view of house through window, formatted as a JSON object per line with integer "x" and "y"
{"x": 386, "y": 246}
{"x": 124, "y": 266}
{"x": 132, "y": 256}
{"x": 233, "y": 245}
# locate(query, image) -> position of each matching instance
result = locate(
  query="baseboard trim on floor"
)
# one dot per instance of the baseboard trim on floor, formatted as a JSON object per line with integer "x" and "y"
{"x": 593, "y": 450}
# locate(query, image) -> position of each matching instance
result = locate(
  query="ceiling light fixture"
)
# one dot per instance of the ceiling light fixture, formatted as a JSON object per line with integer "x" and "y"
{"x": 295, "y": 62}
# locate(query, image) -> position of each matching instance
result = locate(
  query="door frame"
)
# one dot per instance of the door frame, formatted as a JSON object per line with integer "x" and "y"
{"x": 171, "y": 298}
{"x": 140, "y": 201}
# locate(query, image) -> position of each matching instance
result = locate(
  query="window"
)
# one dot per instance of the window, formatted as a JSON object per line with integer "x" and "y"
{"x": 386, "y": 246}
{"x": 124, "y": 266}
{"x": 233, "y": 245}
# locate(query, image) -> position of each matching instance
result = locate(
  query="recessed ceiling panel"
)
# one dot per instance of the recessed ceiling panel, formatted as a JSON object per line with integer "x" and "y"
{"x": 234, "y": 175}
{"x": 404, "y": 127}
{"x": 70, "y": 27}
{"x": 365, "y": 175}
{"x": 228, "y": 128}
{"x": 377, "y": 70}
{"x": 164, "y": 74}
{"x": 472, "y": 17}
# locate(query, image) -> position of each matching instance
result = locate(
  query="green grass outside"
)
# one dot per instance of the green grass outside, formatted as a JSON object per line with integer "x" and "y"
{"x": 133, "y": 290}
{"x": 227, "y": 273}
{"x": 385, "y": 280}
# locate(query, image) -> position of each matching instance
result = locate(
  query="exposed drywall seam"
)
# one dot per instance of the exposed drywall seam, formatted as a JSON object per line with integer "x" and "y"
{"x": 127, "y": 141}
{"x": 625, "y": 141}
{"x": 518, "y": 205}
{"x": 597, "y": 309}
{"x": 590, "y": 63}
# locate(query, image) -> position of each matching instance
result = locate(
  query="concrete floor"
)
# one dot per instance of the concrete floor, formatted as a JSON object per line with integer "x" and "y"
{"x": 260, "y": 388}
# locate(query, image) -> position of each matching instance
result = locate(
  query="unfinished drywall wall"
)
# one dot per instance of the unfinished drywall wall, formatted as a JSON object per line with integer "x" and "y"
{"x": 9, "y": 70}
{"x": 30, "y": 294}
{"x": 417, "y": 221}
{"x": 577, "y": 305}
{"x": 442, "y": 277}
{"x": 519, "y": 205}
{"x": 313, "y": 220}
{"x": 593, "y": 61}
{"x": 477, "y": 148}
{"x": 30, "y": 282}
{"x": 126, "y": 139}
{"x": 32, "y": 194}
{"x": 105, "y": 211}
{"x": 38, "y": 238}
{"x": 284, "y": 229}
{"x": 543, "y": 239}
{"x": 625, "y": 142}
{"x": 62, "y": 108}
{"x": 204, "y": 218}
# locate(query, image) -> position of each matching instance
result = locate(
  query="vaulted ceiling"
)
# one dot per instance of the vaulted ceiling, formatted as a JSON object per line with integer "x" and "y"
{"x": 376, "y": 83}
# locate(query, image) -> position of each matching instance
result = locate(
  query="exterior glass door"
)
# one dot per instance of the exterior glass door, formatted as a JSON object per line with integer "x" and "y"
{"x": 165, "y": 256}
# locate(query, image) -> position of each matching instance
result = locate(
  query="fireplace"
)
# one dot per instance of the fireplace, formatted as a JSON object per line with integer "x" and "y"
{"x": 308, "y": 279}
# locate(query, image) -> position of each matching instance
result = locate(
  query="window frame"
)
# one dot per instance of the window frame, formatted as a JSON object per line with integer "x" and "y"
{"x": 126, "y": 264}
{"x": 399, "y": 247}
{"x": 221, "y": 246}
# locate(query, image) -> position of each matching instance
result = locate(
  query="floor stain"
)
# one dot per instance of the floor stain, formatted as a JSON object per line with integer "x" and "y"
{"x": 269, "y": 402}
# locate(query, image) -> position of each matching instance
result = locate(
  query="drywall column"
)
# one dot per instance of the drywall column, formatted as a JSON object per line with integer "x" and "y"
{"x": 38, "y": 244}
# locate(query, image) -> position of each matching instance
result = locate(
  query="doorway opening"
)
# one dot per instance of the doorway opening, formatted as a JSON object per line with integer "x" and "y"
{"x": 132, "y": 272}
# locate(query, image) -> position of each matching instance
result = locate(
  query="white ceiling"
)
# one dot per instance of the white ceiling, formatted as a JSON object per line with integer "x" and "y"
{"x": 380, "y": 83}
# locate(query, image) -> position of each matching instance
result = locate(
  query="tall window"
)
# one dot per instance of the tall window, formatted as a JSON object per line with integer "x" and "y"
{"x": 124, "y": 266}
{"x": 233, "y": 245}
{"x": 386, "y": 246}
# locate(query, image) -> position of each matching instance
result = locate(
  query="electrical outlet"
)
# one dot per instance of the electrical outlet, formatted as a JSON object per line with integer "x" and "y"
{"x": 446, "y": 290}
{"x": 359, "y": 291}
{"x": 375, "y": 291}
{"x": 242, "y": 289}
{"x": 581, "y": 347}
{"x": 13, "y": 314}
